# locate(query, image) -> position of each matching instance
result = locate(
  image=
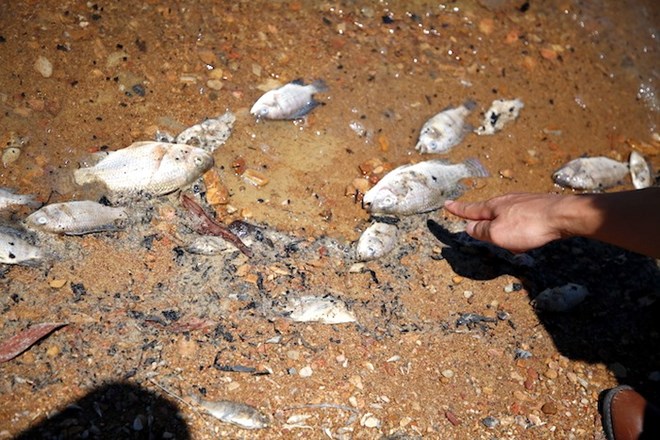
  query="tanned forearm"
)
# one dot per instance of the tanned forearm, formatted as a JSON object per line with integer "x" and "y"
{"x": 629, "y": 219}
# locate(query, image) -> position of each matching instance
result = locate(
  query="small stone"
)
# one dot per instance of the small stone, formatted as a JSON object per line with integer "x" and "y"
{"x": 293, "y": 354}
{"x": 57, "y": 284}
{"x": 508, "y": 288}
{"x": 10, "y": 155}
{"x": 53, "y": 351}
{"x": 207, "y": 57}
{"x": 549, "y": 408}
{"x": 506, "y": 173}
{"x": 550, "y": 374}
{"x": 448, "y": 373}
{"x": 215, "y": 84}
{"x": 468, "y": 294}
{"x": 457, "y": 279}
{"x": 356, "y": 381}
{"x": 43, "y": 66}
{"x": 486, "y": 26}
{"x": 369, "y": 421}
{"x": 519, "y": 395}
{"x": 490, "y": 422}
{"x": 306, "y": 371}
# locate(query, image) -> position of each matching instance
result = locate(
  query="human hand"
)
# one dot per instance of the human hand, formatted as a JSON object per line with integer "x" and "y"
{"x": 517, "y": 222}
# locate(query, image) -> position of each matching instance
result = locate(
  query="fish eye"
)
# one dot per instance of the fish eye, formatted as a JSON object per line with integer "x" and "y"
{"x": 388, "y": 201}
{"x": 198, "y": 160}
{"x": 42, "y": 220}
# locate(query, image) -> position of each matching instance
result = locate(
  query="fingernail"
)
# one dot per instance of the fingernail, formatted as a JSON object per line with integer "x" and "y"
{"x": 448, "y": 202}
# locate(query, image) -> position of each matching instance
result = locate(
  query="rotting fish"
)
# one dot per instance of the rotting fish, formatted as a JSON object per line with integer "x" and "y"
{"x": 236, "y": 413}
{"x": 326, "y": 310}
{"x": 209, "y": 134}
{"x": 500, "y": 113}
{"x": 421, "y": 187}
{"x": 16, "y": 250}
{"x": 208, "y": 226}
{"x": 77, "y": 218}
{"x": 591, "y": 173}
{"x": 445, "y": 130}
{"x": 640, "y": 171}
{"x": 9, "y": 198}
{"x": 561, "y": 298}
{"x": 376, "y": 241}
{"x": 156, "y": 168}
{"x": 291, "y": 101}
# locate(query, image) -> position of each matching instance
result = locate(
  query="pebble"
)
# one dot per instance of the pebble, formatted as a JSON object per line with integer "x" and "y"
{"x": 549, "y": 408}
{"x": 215, "y": 84}
{"x": 369, "y": 421}
{"x": 457, "y": 279}
{"x": 306, "y": 371}
{"x": 550, "y": 374}
{"x": 490, "y": 422}
{"x": 53, "y": 351}
{"x": 448, "y": 373}
{"x": 519, "y": 395}
{"x": 57, "y": 284}
{"x": 10, "y": 155}
{"x": 44, "y": 66}
{"x": 506, "y": 173}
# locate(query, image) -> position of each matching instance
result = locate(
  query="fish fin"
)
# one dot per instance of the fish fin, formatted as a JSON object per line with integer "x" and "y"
{"x": 455, "y": 192}
{"x": 320, "y": 85}
{"x": 311, "y": 105}
{"x": 298, "y": 82}
{"x": 470, "y": 104}
{"x": 476, "y": 168}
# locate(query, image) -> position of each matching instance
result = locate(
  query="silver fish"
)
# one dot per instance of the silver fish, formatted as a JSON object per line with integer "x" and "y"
{"x": 326, "y": 310}
{"x": 209, "y": 134}
{"x": 16, "y": 250}
{"x": 291, "y": 101}
{"x": 236, "y": 413}
{"x": 422, "y": 187}
{"x": 501, "y": 112}
{"x": 445, "y": 130}
{"x": 376, "y": 241}
{"x": 77, "y": 218}
{"x": 591, "y": 173}
{"x": 561, "y": 298}
{"x": 9, "y": 198}
{"x": 156, "y": 168}
{"x": 640, "y": 171}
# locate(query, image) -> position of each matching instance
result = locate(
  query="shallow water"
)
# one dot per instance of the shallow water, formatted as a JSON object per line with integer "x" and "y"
{"x": 587, "y": 72}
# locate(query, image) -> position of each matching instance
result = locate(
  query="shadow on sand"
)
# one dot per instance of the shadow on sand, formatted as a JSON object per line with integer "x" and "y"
{"x": 619, "y": 322}
{"x": 115, "y": 410}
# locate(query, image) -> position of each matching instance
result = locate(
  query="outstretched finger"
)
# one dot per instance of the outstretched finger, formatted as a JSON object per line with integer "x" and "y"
{"x": 472, "y": 211}
{"x": 479, "y": 230}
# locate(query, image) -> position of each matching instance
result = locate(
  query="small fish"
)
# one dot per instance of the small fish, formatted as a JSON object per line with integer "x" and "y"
{"x": 591, "y": 173}
{"x": 500, "y": 113}
{"x": 9, "y": 199}
{"x": 209, "y": 134}
{"x": 236, "y": 413}
{"x": 77, "y": 218}
{"x": 640, "y": 171}
{"x": 376, "y": 241}
{"x": 16, "y": 250}
{"x": 422, "y": 187}
{"x": 291, "y": 101}
{"x": 156, "y": 168}
{"x": 326, "y": 310}
{"x": 561, "y": 298}
{"x": 445, "y": 130}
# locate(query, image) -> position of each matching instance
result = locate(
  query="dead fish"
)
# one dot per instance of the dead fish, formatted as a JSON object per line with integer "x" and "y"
{"x": 591, "y": 173}
{"x": 422, "y": 187}
{"x": 291, "y": 101}
{"x": 236, "y": 413}
{"x": 445, "y": 130}
{"x": 640, "y": 170}
{"x": 500, "y": 113}
{"x": 376, "y": 241}
{"x": 326, "y": 310}
{"x": 16, "y": 250}
{"x": 9, "y": 199}
{"x": 208, "y": 245}
{"x": 156, "y": 168}
{"x": 561, "y": 298}
{"x": 209, "y": 134}
{"x": 77, "y": 218}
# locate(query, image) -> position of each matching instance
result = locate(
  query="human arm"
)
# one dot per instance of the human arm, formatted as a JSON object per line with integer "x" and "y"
{"x": 524, "y": 221}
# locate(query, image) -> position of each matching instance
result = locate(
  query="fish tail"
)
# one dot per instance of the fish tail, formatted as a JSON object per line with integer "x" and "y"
{"x": 320, "y": 85}
{"x": 470, "y": 104}
{"x": 476, "y": 168}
